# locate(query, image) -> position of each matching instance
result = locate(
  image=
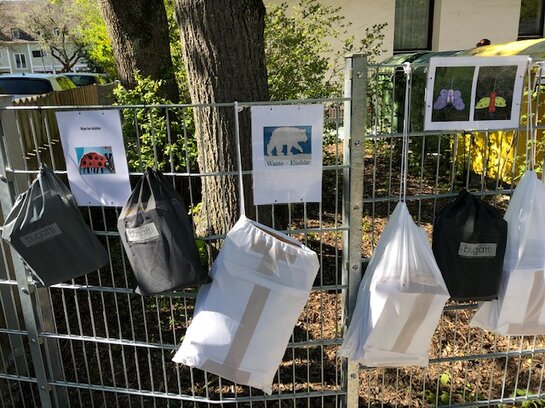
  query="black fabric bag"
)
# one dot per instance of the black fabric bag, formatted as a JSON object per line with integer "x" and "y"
{"x": 46, "y": 228}
{"x": 158, "y": 238}
{"x": 469, "y": 238}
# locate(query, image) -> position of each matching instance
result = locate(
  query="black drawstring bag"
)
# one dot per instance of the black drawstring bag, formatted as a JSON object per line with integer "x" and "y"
{"x": 46, "y": 228}
{"x": 469, "y": 238}
{"x": 158, "y": 238}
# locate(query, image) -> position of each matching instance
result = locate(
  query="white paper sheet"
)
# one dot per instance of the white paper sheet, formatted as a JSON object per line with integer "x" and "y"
{"x": 474, "y": 93}
{"x": 95, "y": 157}
{"x": 287, "y": 153}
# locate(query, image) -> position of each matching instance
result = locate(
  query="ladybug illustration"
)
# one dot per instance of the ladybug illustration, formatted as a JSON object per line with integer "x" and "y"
{"x": 94, "y": 162}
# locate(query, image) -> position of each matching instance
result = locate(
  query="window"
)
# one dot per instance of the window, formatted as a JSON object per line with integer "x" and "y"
{"x": 15, "y": 33}
{"x": 24, "y": 86}
{"x": 38, "y": 54}
{"x": 20, "y": 61}
{"x": 531, "y": 19}
{"x": 413, "y": 25}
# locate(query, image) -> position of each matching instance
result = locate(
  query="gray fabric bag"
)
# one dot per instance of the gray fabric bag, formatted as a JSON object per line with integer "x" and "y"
{"x": 48, "y": 231}
{"x": 158, "y": 237}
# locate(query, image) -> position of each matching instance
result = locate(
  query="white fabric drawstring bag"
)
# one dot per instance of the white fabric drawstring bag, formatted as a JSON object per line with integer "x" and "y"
{"x": 402, "y": 293}
{"x": 520, "y": 307}
{"x": 244, "y": 318}
{"x": 400, "y": 299}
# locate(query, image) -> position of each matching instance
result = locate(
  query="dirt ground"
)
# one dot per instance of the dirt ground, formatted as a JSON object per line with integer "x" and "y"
{"x": 468, "y": 366}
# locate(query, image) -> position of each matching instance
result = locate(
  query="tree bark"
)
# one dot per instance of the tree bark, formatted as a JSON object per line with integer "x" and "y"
{"x": 138, "y": 30}
{"x": 223, "y": 48}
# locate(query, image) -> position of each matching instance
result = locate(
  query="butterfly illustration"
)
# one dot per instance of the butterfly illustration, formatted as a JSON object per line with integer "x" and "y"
{"x": 491, "y": 102}
{"x": 449, "y": 96}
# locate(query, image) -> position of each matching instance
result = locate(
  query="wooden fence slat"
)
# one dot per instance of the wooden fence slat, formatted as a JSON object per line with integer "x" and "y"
{"x": 82, "y": 96}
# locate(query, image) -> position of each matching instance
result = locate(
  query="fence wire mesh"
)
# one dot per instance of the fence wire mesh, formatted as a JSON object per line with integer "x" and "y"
{"x": 102, "y": 345}
{"x": 468, "y": 366}
{"x": 116, "y": 346}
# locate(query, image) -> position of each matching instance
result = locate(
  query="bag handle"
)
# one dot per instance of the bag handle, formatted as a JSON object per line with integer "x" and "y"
{"x": 44, "y": 183}
{"x": 405, "y": 149}
{"x": 146, "y": 179}
{"x": 239, "y": 163}
{"x": 35, "y": 191}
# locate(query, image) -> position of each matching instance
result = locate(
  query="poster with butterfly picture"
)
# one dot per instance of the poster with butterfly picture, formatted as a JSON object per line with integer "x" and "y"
{"x": 474, "y": 93}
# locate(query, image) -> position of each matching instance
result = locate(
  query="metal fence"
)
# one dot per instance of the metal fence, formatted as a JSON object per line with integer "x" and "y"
{"x": 468, "y": 367}
{"x": 93, "y": 342}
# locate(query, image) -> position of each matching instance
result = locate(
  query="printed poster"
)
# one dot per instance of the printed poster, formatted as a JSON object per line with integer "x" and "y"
{"x": 474, "y": 93}
{"x": 95, "y": 157}
{"x": 287, "y": 153}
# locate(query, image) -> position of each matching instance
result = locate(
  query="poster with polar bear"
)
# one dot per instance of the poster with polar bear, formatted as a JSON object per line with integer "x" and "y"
{"x": 287, "y": 153}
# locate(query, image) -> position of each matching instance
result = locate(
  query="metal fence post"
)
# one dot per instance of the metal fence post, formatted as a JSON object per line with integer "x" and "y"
{"x": 355, "y": 113}
{"x": 9, "y": 302}
{"x": 46, "y": 359}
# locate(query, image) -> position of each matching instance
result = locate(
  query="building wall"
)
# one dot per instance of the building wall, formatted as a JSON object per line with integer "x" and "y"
{"x": 40, "y": 64}
{"x": 458, "y": 24}
{"x": 19, "y": 49}
{"x": 365, "y": 13}
{"x": 34, "y": 64}
{"x": 361, "y": 14}
{"x": 4, "y": 60}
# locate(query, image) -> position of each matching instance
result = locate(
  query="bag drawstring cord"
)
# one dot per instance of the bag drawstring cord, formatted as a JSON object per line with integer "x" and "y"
{"x": 239, "y": 163}
{"x": 405, "y": 149}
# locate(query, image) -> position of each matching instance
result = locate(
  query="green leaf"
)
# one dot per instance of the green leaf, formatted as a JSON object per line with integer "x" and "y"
{"x": 444, "y": 397}
{"x": 300, "y": 56}
{"x": 445, "y": 379}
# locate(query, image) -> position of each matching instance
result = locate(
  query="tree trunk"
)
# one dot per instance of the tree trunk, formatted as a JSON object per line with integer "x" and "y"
{"x": 224, "y": 53}
{"x": 138, "y": 30}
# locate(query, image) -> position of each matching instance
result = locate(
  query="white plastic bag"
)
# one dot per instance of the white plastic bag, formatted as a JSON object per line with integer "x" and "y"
{"x": 244, "y": 318}
{"x": 400, "y": 299}
{"x": 520, "y": 307}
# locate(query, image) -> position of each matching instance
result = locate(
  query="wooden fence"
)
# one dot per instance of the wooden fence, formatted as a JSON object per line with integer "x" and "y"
{"x": 38, "y": 127}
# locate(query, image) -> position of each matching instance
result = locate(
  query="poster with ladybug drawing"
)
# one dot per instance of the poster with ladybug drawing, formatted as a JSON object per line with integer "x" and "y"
{"x": 95, "y": 160}
{"x": 95, "y": 156}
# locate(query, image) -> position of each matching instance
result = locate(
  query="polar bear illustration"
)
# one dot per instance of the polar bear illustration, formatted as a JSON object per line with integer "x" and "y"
{"x": 286, "y": 136}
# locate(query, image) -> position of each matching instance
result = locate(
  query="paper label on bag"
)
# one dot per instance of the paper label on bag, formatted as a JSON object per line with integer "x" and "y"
{"x": 144, "y": 233}
{"x": 41, "y": 235}
{"x": 481, "y": 250}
